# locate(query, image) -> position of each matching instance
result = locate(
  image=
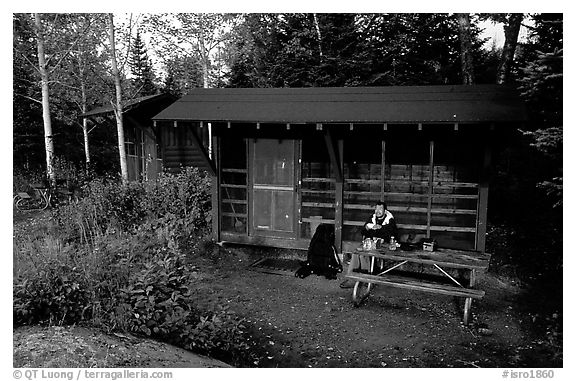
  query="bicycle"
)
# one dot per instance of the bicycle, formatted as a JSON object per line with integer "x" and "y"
{"x": 42, "y": 196}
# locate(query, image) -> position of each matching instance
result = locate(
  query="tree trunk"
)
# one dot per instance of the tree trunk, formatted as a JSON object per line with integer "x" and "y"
{"x": 48, "y": 138}
{"x": 118, "y": 106}
{"x": 204, "y": 54}
{"x": 465, "y": 48}
{"x": 84, "y": 107}
{"x": 205, "y": 74}
{"x": 318, "y": 34}
{"x": 511, "y": 31}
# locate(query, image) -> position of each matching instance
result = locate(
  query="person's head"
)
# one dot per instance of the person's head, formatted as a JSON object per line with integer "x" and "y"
{"x": 380, "y": 208}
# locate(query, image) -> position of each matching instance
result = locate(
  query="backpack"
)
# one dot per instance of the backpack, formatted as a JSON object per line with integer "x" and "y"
{"x": 322, "y": 257}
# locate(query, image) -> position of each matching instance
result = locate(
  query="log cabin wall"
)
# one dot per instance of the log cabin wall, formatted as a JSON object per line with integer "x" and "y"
{"x": 179, "y": 148}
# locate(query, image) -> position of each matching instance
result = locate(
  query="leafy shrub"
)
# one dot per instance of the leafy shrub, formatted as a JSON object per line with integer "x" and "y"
{"x": 118, "y": 261}
{"x": 178, "y": 204}
{"x": 47, "y": 288}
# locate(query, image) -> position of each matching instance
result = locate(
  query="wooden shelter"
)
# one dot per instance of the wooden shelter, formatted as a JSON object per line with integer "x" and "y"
{"x": 284, "y": 160}
{"x": 144, "y": 150}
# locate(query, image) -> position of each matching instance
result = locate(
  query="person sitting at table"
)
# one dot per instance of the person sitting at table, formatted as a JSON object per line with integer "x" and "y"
{"x": 381, "y": 224}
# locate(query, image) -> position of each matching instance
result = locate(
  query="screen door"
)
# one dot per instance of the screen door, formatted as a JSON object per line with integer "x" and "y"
{"x": 273, "y": 190}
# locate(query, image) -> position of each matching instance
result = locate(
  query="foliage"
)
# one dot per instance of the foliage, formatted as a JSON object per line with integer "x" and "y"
{"x": 195, "y": 36}
{"x": 141, "y": 68}
{"x": 542, "y": 88}
{"x": 118, "y": 260}
{"x": 286, "y": 50}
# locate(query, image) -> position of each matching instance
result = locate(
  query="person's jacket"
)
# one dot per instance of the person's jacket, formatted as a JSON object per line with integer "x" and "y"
{"x": 386, "y": 219}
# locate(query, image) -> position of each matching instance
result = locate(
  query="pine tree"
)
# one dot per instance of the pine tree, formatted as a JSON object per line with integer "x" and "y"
{"x": 141, "y": 68}
{"x": 542, "y": 88}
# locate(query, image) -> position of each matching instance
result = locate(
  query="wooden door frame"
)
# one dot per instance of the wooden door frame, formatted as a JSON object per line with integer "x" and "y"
{"x": 252, "y": 232}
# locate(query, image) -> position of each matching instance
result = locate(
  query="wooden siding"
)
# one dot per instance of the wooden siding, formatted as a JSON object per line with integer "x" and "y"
{"x": 432, "y": 184}
{"x": 180, "y": 149}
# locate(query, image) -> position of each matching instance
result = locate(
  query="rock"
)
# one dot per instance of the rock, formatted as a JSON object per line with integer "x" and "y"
{"x": 485, "y": 331}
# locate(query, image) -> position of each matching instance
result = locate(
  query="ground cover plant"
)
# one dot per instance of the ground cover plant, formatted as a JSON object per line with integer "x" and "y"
{"x": 117, "y": 260}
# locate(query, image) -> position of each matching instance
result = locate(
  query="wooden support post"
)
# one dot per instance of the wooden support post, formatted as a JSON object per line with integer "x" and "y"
{"x": 468, "y": 301}
{"x": 351, "y": 126}
{"x": 383, "y": 172}
{"x": 258, "y": 125}
{"x": 175, "y": 123}
{"x": 287, "y": 126}
{"x": 333, "y": 153}
{"x": 385, "y": 126}
{"x": 430, "y": 190}
{"x": 215, "y": 178}
{"x": 229, "y": 124}
{"x": 339, "y": 201}
{"x": 482, "y": 212}
{"x": 419, "y": 126}
{"x": 456, "y": 126}
{"x": 298, "y": 203}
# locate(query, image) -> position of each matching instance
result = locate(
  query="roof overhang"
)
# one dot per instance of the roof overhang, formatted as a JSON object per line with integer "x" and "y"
{"x": 394, "y": 104}
{"x": 130, "y": 105}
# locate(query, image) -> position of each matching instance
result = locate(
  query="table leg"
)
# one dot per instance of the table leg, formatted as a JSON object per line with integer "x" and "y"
{"x": 468, "y": 301}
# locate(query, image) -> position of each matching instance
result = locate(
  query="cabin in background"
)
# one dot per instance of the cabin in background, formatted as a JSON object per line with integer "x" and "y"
{"x": 145, "y": 152}
{"x": 284, "y": 160}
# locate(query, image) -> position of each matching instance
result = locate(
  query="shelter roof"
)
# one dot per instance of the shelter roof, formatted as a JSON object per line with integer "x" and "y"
{"x": 131, "y": 104}
{"x": 393, "y": 104}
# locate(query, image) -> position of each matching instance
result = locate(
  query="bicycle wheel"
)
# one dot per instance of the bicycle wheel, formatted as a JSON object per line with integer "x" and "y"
{"x": 360, "y": 292}
{"x": 23, "y": 204}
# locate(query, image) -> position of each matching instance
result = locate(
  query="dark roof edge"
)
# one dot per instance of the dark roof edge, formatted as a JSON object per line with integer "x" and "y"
{"x": 128, "y": 105}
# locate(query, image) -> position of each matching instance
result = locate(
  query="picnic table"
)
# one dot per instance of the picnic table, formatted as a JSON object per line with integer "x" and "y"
{"x": 467, "y": 264}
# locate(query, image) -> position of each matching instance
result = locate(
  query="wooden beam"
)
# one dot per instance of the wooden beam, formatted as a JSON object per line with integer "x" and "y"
{"x": 333, "y": 153}
{"x": 216, "y": 191}
{"x": 483, "y": 201}
{"x": 430, "y": 189}
{"x": 284, "y": 243}
{"x": 339, "y": 201}
{"x": 203, "y": 153}
{"x": 298, "y": 203}
{"x": 383, "y": 171}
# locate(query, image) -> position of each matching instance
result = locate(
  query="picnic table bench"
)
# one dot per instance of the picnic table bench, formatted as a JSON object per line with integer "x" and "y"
{"x": 467, "y": 264}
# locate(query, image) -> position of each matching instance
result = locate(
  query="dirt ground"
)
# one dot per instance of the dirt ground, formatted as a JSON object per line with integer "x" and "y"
{"x": 312, "y": 322}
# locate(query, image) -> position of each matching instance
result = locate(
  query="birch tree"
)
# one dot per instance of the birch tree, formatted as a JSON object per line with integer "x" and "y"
{"x": 117, "y": 105}
{"x": 44, "y": 79}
